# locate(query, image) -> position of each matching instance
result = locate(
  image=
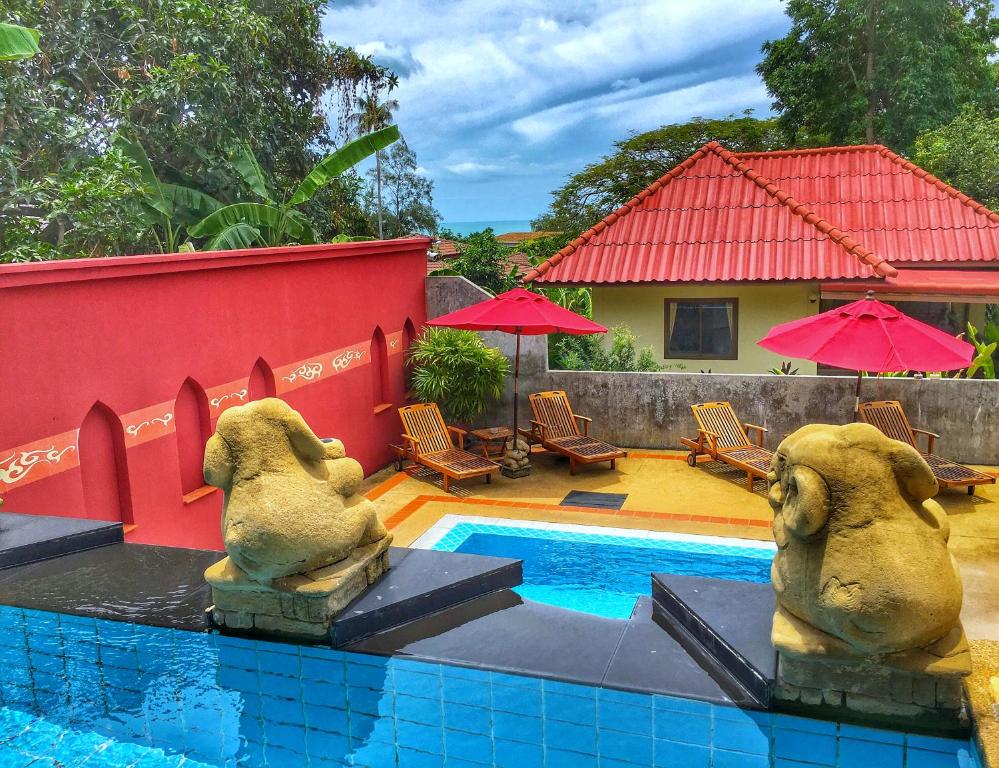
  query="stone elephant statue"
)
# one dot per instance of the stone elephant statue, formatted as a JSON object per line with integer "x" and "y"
{"x": 861, "y": 546}
{"x": 290, "y": 500}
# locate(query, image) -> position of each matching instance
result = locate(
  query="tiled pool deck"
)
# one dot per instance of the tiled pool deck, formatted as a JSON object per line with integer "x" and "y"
{"x": 109, "y": 693}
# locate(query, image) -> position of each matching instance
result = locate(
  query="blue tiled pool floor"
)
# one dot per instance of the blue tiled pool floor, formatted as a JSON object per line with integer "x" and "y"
{"x": 598, "y": 573}
{"x": 85, "y": 692}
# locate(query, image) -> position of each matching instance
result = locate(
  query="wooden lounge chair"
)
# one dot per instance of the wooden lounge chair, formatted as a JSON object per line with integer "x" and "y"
{"x": 427, "y": 440}
{"x": 556, "y": 427}
{"x": 723, "y": 437}
{"x": 888, "y": 416}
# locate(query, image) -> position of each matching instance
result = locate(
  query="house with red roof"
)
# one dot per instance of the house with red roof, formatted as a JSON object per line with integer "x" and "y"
{"x": 703, "y": 262}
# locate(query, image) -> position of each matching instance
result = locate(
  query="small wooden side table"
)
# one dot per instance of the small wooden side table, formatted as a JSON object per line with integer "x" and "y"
{"x": 490, "y": 437}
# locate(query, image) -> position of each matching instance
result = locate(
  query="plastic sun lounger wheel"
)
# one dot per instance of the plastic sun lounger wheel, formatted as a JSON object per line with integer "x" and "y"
{"x": 692, "y": 459}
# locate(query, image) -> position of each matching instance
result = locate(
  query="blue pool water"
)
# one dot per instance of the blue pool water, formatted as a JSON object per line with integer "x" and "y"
{"x": 598, "y": 573}
{"x": 85, "y": 692}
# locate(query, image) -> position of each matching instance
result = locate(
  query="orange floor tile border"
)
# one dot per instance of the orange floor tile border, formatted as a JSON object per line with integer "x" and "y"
{"x": 386, "y": 485}
{"x": 418, "y": 502}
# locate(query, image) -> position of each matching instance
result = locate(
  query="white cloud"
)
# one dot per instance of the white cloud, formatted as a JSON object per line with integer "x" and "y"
{"x": 483, "y": 79}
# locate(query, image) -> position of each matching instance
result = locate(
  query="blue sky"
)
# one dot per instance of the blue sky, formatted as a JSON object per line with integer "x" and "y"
{"x": 502, "y": 100}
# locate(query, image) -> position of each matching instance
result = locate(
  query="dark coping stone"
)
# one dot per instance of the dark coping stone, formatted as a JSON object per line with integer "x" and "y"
{"x": 161, "y": 586}
{"x": 729, "y": 620}
{"x": 421, "y": 582}
{"x": 30, "y": 538}
{"x": 594, "y": 499}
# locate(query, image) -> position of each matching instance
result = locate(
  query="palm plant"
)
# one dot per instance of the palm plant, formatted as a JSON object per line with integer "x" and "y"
{"x": 270, "y": 223}
{"x": 456, "y": 370}
{"x": 169, "y": 209}
{"x": 18, "y": 42}
{"x": 373, "y": 115}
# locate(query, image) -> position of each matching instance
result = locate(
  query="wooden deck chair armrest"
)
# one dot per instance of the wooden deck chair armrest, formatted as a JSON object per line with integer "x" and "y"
{"x": 538, "y": 428}
{"x": 931, "y": 438}
{"x": 414, "y": 443}
{"x": 759, "y": 432}
{"x": 586, "y": 421}
{"x": 460, "y": 434}
{"x": 712, "y": 438}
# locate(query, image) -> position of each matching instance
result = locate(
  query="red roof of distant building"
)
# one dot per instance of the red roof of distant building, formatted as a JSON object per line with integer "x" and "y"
{"x": 815, "y": 214}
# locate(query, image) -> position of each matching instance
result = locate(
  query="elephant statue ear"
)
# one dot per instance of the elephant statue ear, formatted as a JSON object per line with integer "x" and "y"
{"x": 805, "y": 507}
{"x": 219, "y": 463}
{"x": 913, "y": 474}
{"x": 303, "y": 439}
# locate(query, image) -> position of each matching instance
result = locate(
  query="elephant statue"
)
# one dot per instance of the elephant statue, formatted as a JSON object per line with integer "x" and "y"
{"x": 291, "y": 503}
{"x": 861, "y": 545}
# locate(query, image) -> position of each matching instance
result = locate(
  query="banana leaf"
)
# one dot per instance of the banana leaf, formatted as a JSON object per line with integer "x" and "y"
{"x": 347, "y": 156}
{"x": 260, "y": 216}
{"x": 234, "y": 237}
{"x": 198, "y": 204}
{"x": 154, "y": 196}
{"x": 245, "y": 163}
{"x": 18, "y": 42}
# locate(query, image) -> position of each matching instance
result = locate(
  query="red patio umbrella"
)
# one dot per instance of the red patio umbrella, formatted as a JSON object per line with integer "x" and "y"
{"x": 523, "y": 313}
{"x": 868, "y": 335}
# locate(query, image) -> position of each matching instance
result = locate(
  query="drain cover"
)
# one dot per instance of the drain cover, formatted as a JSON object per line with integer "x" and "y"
{"x": 593, "y": 499}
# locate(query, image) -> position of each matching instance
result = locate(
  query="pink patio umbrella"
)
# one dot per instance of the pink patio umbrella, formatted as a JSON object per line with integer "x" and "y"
{"x": 868, "y": 335}
{"x": 523, "y": 313}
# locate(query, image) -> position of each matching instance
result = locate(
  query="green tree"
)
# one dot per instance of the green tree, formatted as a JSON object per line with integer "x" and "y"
{"x": 588, "y": 196}
{"x": 373, "y": 115}
{"x": 191, "y": 78}
{"x": 852, "y": 71}
{"x": 269, "y": 222}
{"x": 409, "y": 194}
{"x": 965, "y": 154}
{"x": 483, "y": 260}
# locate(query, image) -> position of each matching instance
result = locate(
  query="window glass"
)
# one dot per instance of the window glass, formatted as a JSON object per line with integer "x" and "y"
{"x": 702, "y": 328}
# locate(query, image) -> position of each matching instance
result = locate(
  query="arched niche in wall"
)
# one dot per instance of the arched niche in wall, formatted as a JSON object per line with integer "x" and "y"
{"x": 194, "y": 427}
{"x": 261, "y": 381}
{"x": 104, "y": 467}
{"x": 408, "y": 337}
{"x": 379, "y": 371}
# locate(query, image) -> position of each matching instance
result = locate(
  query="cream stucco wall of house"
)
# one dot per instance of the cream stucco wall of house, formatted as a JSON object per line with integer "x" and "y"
{"x": 761, "y": 306}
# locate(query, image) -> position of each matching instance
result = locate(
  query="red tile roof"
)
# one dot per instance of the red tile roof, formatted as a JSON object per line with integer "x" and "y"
{"x": 444, "y": 249}
{"x": 515, "y": 238}
{"x": 817, "y": 214}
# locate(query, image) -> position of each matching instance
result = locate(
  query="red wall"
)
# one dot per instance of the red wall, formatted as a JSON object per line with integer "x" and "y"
{"x": 108, "y": 346}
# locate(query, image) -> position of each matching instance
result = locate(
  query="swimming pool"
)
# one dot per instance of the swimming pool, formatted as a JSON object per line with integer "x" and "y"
{"x": 88, "y": 692}
{"x": 598, "y": 570}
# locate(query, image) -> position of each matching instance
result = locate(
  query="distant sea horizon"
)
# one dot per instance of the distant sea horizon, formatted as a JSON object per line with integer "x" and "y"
{"x": 499, "y": 226}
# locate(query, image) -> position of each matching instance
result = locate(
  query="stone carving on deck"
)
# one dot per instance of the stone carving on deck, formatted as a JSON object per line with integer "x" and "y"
{"x": 301, "y": 543}
{"x": 868, "y": 595}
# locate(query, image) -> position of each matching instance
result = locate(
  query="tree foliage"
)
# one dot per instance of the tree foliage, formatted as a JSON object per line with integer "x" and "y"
{"x": 965, "y": 154}
{"x": 484, "y": 261}
{"x": 852, "y": 71}
{"x": 637, "y": 161}
{"x": 407, "y": 194}
{"x": 192, "y": 78}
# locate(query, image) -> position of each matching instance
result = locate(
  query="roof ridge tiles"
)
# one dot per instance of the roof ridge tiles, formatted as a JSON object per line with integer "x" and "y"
{"x": 813, "y": 151}
{"x": 879, "y": 265}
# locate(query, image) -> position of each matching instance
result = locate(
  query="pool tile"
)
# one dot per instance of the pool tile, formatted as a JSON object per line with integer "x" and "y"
{"x": 328, "y": 671}
{"x": 515, "y": 754}
{"x": 472, "y": 747}
{"x": 806, "y": 747}
{"x": 626, "y": 747}
{"x": 723, "y": 758}
{"x": 925, "y": 758}
{"x": 671, "y": 754}
{"x": 677, "y": 704}
{"x": 237, "y": 679}
{"x": 327, "y": 719}
{"x": 805, "y": 724}
{"x": 475, "y": 693}
{"x": 418, "y": 684}
{"x": 525, "y": 701}
{"x": 511, "y": 727}
{"x": 683, "y": 727}
{"x": 854, "y": 753}
{"x": 618, "y": 716}
{"x": 424, "y": 738}
{"x": 515, "y": 681}
{"x": 559, "y": 758}
{"x": 418, "y": 710}
{"x": 465, "y": 673}
{"x": 569, "y": 736}
{"x": 285, "y": 663}
{"x": 373, "y": 754}
{"x": 365, "y": 728}
{"x": 324, "y": 694}
{"x": 568, "y": 689}
{"x": 871, "y": 734}
{"x": 279, "y": 686}
{"x": 746, "y": 737}
{"x": 334, "y": 745}
{"x": 465, "y": 718}
{"x": 411, "y": 758}
{"x": 370, "y": 702}
{"x": 274, "y": 710}
{"x": 570, "y": 709}
{"x": 368, "y": 676}
{"x": 934, "y": 743}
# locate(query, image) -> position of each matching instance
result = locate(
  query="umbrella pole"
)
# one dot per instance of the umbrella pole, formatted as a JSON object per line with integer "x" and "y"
{"x": 516, "y": 392}
{"x": 856, "y": 398}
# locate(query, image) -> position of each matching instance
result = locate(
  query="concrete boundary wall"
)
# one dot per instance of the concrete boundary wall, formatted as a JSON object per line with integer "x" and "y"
{"x": 652, "y": 410}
